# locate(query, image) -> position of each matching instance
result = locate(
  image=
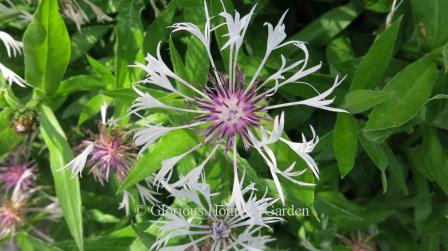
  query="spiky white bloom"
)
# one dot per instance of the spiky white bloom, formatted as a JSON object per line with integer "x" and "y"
{"x": 218, "y": 227}
{"x": 74, "y": 11}
{"x": 232, "y": 107}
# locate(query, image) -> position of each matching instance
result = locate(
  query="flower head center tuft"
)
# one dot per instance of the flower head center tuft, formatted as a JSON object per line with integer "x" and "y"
{"x": 231, "y": 111}
{"x": 220, "y": 230}
{"x": 15, "y": 173}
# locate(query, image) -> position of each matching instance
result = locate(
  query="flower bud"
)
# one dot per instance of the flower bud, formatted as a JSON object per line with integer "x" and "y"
{"x": 25, "y": 121}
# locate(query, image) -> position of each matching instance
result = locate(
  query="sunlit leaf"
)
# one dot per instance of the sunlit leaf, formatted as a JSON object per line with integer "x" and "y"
{"x": 46, "y": 47}
{"x": 67, "y": 188}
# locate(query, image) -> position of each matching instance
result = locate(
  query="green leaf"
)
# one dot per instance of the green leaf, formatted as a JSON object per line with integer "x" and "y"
{"x": 397, "y": 174}
{"x": 346, "y": 214}
{"x": 81, "y": 83}
{"x": 179, "y": 66}
{"x": 67, "y": 188}
{"x": 345, "y": 142}
{"x": 220, "y": 34}
{"x": 9, "y": 139}
{"x": 408, "y": 91}
{"x": 46, "y": 47}
{"x": 124, "y": 95}
{"x": 196, "y": 62}
{"x": 102, "y": 71}
{"x": 99, "y": 243}
{"x": 91, "y": 108}
{"x": 435, "y": 157}
{"x": 129, "y": 32}
{"x": 416, "y": 158}
{"x": 431, "y": 21}
{"x": 378, "y": 155}
{"x": 101, "y": 217}
{"x": 83, "y": 41}
{"x": 27, "y": 242}
{"x": 339, "y": 49}
{"x": 374, "y": 64}
{"x": 445, "y": 57}
{"x": 362, "y": 100}
{"x": 157, "y": 30}
{"x": 422, "y": 210}
{"x": 146, "y": 238}
{"x": 381, "y": 6}
{"x": 170, "y": 145}
{"x": 334, "y": 203}
{"x": 329, "y": 25}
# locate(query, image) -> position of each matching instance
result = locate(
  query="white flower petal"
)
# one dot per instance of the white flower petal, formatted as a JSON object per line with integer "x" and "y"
{"x": 100, "y": 15}
{"x": 317, "y": 101}
{"x": 303, "y": 149}
{"x": 157, "y": 69}
{"x": 146, "y": 101}
{"x": 277, "y": 34}
{"x": 168, "y": 165}
{"x": 13, "y": 47}
{"x": 147, "y": 195}
{"x": 11, "y": 77}
{"x": 126, "y": 202}
{"x": 78, "y": 163}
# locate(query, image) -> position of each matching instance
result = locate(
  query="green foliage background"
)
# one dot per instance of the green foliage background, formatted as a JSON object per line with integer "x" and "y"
{"x": 383, "y": 166}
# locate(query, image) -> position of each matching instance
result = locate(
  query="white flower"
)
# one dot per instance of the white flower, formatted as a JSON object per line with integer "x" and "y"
{"x": 231, "y": 109}
{"x": 219, "y": 227}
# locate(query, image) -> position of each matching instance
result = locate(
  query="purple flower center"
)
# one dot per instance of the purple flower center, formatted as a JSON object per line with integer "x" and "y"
{"x": 220, "y": 230}
{"x": 111, "y": 153}
{"x": 11, "y": 175}
{"x": 10, "y": 218}
{"x": 231, "y": 110}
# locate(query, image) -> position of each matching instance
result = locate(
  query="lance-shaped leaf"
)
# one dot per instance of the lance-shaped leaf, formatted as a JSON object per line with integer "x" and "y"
{"x": 46, "y": 47}
{"x": 435, "y": 157}
{"x": 374, "y": 64}
{"x": 67, "y": 188}
{"x": 129, "y": 32}
{"x": 362, "y": 100}
{"x": 408, "y": 91}
{"x": 84, "y": 40}
{"x": 327, "y": 26}
{"x": 431, "y": 21}
{"x": 345, "y": 142}
{"x": 379, "y": 157}
{"x": 157, "y": 30}
{"x": 9, "y": 139}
